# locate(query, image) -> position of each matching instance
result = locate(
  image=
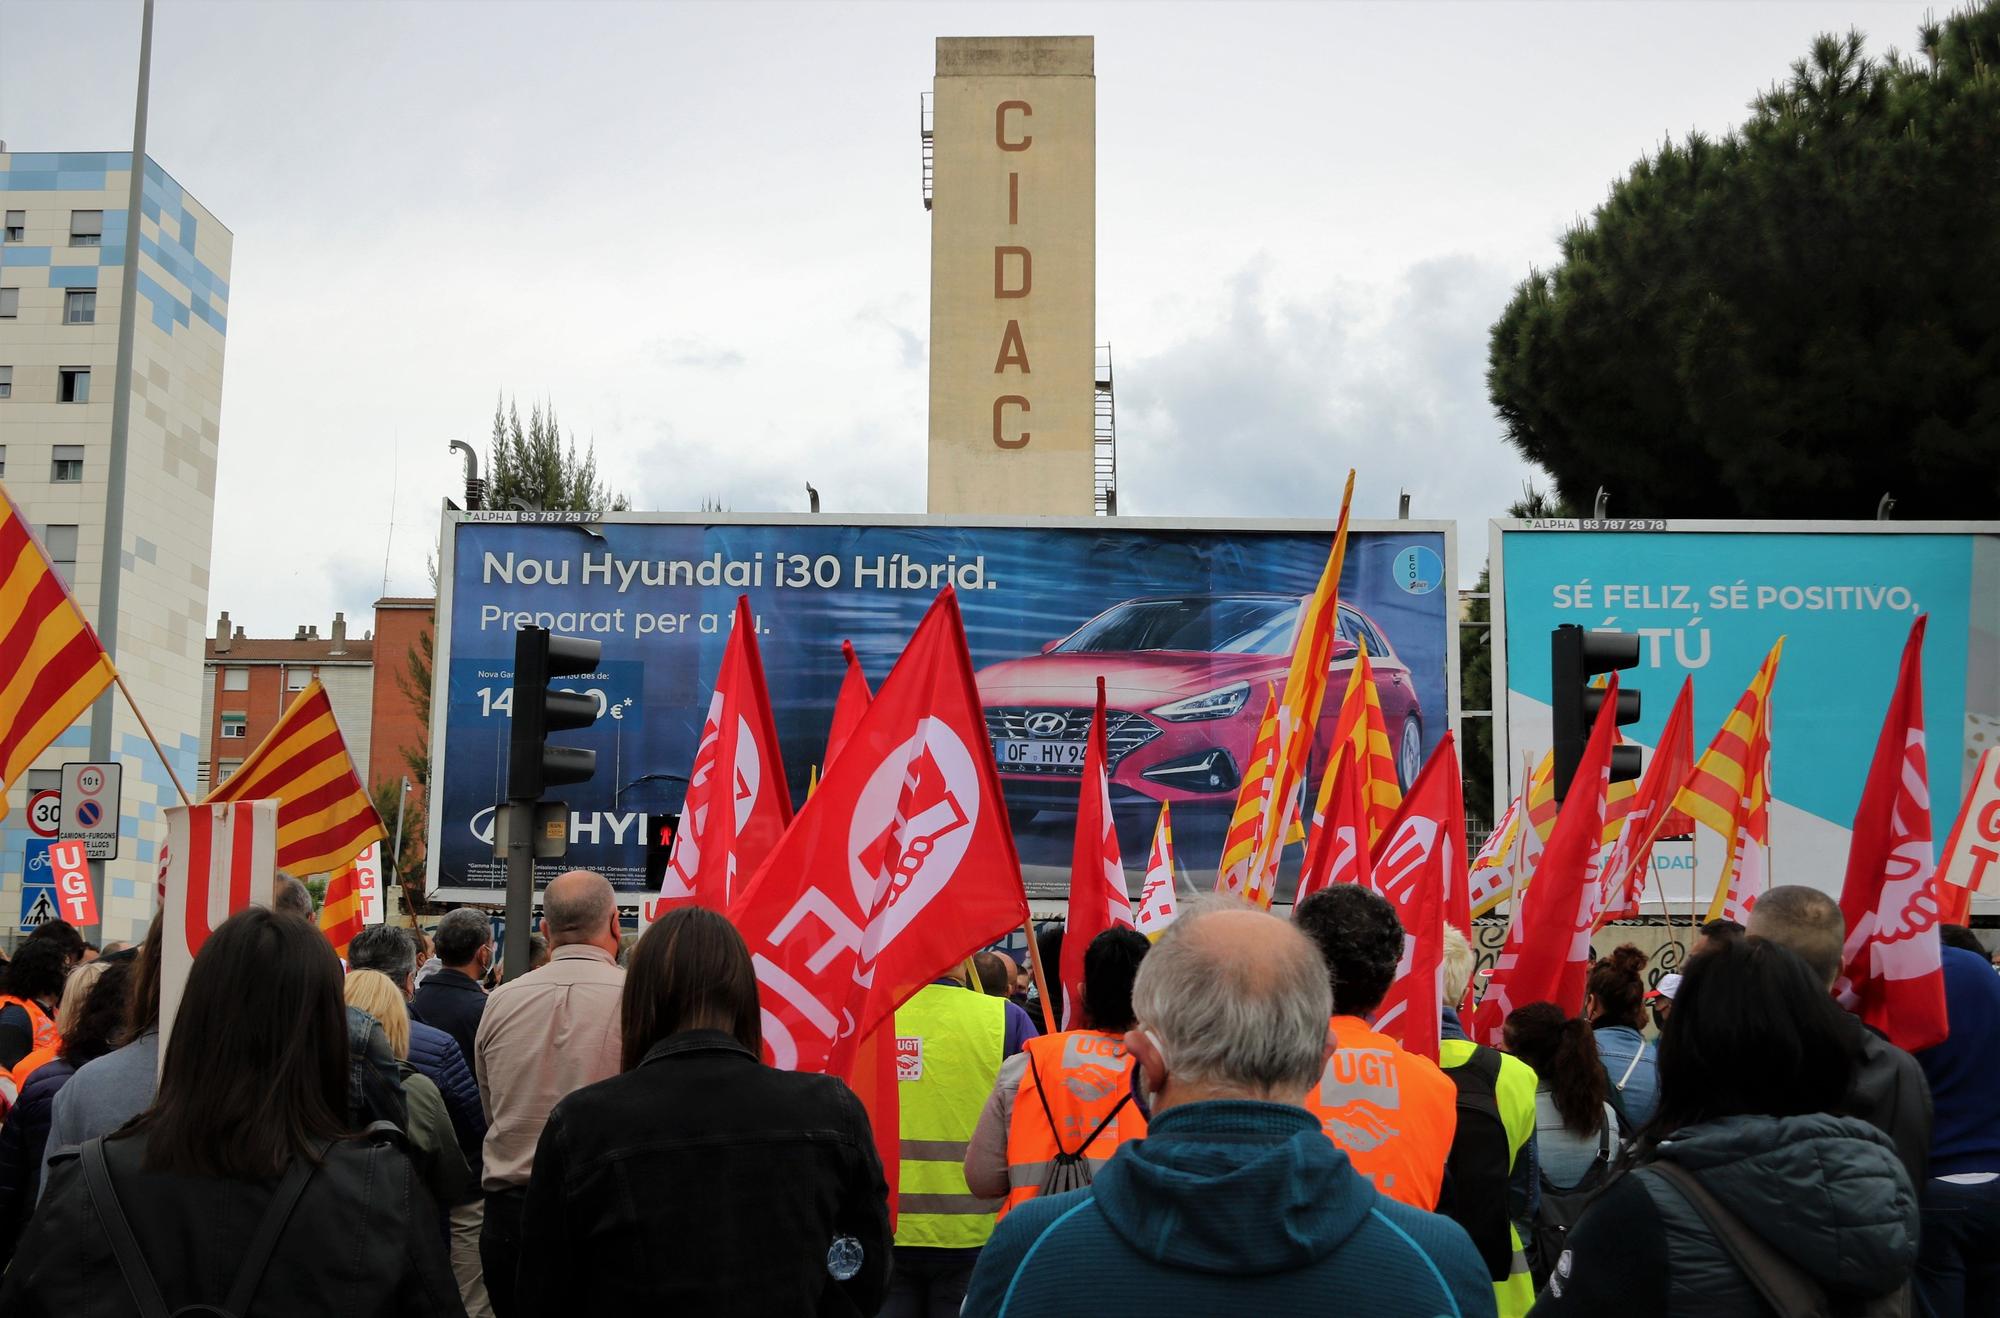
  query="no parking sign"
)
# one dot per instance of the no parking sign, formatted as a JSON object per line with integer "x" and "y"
{"x": 90, "y": 796}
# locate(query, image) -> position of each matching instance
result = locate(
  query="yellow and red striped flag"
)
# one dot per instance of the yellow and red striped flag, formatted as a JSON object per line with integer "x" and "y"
{"x": 1251, "y": 793}
{"x": 1365, "y": 733}
{"x": 340, "y": 910}
{"x": 1298, "y": 712}
{"x": 1730, "y": 792}
{"x": 324, "y": 814}
{"x": 51, "y": 664}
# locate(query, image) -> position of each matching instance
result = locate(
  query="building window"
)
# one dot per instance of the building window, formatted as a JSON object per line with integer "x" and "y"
{"x": 232, "y": 727}
{"x": 68, "y": 464}
{"x": 80, "y": 306}
{"x": 73, "y": 384}
{"x": 225, "y": 770}
{"x": 3, "y": 447}
{"x": 298, "y": 679}
{"x": 17, "y": 226}
{"x": 201, "y": 774}
{"x": 86, "y": 228}
{"x": 60, "y": 541}
{"x": 6, "y": 391}
{"x": 235, "y": 679}
{"x": 10, "y": 303}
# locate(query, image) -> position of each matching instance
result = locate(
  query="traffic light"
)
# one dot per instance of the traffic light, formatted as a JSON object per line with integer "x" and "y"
{"x": 532, "y": 764}
{"x": 1576, "y": 656}
{"x": 659, "y": 846}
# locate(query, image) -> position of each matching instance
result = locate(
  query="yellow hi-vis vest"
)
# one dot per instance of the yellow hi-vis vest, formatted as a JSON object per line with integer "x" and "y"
{"x": 949, "y": 1043}
{"x": 1514, "y": 1093}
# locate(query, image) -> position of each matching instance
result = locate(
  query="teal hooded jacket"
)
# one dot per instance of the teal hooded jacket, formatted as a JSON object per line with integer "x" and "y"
{"x": 1228, "y": 1208}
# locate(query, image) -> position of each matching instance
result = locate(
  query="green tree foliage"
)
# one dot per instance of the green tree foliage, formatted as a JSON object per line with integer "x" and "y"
{"x": 1791, "y": 320}
{"x": 538, "y": 466}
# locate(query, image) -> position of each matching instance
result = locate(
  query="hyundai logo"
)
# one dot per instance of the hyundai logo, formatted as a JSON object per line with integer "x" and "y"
{"x": 1047, "y": 723}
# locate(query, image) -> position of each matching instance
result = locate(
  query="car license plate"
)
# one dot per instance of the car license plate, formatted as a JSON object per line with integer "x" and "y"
{"x": 1041, "y": 754}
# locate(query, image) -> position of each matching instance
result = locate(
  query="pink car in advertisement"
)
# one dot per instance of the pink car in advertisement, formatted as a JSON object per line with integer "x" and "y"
{"x": 1185, "y": 683}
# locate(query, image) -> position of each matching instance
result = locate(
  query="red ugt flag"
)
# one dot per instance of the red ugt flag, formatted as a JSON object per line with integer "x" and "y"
{"x": 1547, "y": 954}
{"x": 1420, "y": 857}
{"x": 901, "y": 864}
{"x": 1097, "y": 898}
{"x": 1652, "y": 815}
{"x": 1337, "y": 851}
{"x": 737, "y": 767}
{"x": 848, "y": 707}
{"x": 1892, "y": 975}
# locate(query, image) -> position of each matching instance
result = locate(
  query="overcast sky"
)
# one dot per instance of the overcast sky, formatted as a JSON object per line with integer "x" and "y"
{"x": 697, "y": 228}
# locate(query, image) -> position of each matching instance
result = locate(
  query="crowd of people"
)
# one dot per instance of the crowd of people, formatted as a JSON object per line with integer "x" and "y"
{"x": 1221, "y": 1128}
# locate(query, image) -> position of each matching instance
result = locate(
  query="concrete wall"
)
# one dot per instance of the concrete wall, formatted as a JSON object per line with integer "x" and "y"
{"x": 1013, "y": 275}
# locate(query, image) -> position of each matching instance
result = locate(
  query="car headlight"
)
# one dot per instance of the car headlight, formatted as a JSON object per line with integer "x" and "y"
{"x": 1219, "y": 703}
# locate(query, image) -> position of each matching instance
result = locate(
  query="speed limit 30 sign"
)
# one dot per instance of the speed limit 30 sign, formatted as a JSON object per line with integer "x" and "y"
{"x": 45, "y": 812}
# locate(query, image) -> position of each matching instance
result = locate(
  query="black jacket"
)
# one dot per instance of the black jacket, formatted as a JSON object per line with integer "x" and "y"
{"x": 1828, "y": 1193}
{"x": 704, "y": 1182}
{"x": 1892, "y": 1094}
{"x": 437, "y": 1055}
{"x": 362, "y": 1243}
{"x": 24, "y": 1136}
{"x": 448, "y": 1000}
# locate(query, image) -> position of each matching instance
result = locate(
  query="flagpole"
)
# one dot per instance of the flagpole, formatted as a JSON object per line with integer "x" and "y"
{"x": 164, "y": 761}
{"x": 1041, "y": 980}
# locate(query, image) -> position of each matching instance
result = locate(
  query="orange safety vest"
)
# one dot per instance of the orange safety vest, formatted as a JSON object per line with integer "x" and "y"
{"x": 28, "y": 1065}
{"x": 1394, "y": 1113}
{"x": 1074, "y": 1104}
{"x": 45, "y": 1025}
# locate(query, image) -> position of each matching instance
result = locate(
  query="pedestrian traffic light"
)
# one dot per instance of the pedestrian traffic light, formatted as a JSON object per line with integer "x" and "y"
{"x": 532, "y": 764}
{"x": 659, "y": 846}
{"x": 1576, "y": 656}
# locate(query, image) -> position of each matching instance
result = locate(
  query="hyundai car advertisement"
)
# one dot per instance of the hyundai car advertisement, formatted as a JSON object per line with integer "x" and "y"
{"x": 1190, "y": 626}
{"x": 1709, "y": 603}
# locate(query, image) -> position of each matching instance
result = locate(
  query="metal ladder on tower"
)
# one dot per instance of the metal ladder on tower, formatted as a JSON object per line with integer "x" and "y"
{"x": 1104, "y": 456}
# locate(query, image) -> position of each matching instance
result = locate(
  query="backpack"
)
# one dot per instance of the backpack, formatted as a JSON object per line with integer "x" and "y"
{"x": 1561, "y": 1207}
{"x": 139, "y": 1279}
{"x": 1787, "y": 1288}
{"x": 1067, "y": 1170}
{"x": 1479, "y": 1163}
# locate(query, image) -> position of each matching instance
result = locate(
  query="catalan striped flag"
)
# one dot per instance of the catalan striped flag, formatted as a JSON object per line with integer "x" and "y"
{"x": 1491, "y": 876}
{"x": 1365, "y": 733}
{"x": 1298, "y": 712}
{"x": 1730, "y": 792}
{"x": 51, "y": 664}
{"x": 324, "y": 814}
{"x": 340, "y": 910}
{"x": 1251, "y": 794}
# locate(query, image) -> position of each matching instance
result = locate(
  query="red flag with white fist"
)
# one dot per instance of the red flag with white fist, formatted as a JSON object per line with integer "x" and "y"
{"x": 899, "y": 867}
{"x": 1892, "y": 974}
{"x": 1097, "y": 896}
{"x": 1417, "y": 860}
{"x": 737, "y": 802}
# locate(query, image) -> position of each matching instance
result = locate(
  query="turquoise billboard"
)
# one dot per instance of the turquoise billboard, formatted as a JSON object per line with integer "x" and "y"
{"x": 1708, "y": 599}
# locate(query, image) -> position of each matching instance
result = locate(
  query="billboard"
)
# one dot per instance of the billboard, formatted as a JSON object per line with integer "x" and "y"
{"x": 1188, "y": 623}
{"x": 1708, "y": 599}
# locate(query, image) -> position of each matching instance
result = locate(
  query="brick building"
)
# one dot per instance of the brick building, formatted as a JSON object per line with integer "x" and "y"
{"x": 250, "y": 681}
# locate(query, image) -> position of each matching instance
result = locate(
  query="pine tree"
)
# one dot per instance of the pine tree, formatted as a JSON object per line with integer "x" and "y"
{"x": 1789, "y": 321}
{"x": 538, "y": 467}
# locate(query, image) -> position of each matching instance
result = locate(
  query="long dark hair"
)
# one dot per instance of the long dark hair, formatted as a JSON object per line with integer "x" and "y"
{"x": 690, "y": 971}
{"x": 256, "y": 1066}
{"x": 142, "y": 1012}
{"x": 1753, "y": 1032}
{"x": 1563, "y": 1052}
{"x": 1618, "y": 984}
{"x": 37, "y": 971}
